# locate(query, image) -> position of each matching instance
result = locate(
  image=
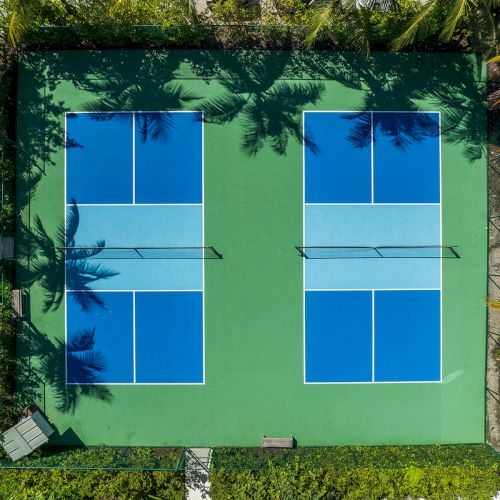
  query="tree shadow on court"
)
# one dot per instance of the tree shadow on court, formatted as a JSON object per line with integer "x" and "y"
{"x": 269, "y": 107}
{"x": 151, "y": 87}
{"x": 450, "y": 83}
{"x": 403, "y": 129}
{"x": 58, "y": 263}
{"x": 41, "y": 366}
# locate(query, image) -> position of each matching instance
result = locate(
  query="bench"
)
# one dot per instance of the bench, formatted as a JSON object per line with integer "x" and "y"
{"x": 267, "y": 442}
{"x": 17, "y": 304}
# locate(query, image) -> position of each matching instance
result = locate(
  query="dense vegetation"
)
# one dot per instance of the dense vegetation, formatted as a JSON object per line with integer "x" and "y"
{"x": 431, "y": 472}
{"x": 382, "y": 24}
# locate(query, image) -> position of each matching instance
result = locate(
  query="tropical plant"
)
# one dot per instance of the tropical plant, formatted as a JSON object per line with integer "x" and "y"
{"x": 332, "y": 17}
{"x": 20, "y": 14}
{"x": 473, "y": 20}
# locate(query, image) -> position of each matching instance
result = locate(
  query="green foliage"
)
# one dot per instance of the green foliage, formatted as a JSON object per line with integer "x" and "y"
{"x": 234, "y": 11}
{"x": 358, "y": 456}
{"x": 100, "y": 458}
{"x": 53, "y": 475}
{"x": 32, "y": 483}
{"x": 437, "y": 472}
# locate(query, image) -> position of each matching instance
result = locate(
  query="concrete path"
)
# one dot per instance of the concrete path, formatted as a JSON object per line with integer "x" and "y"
{"x": 197, "y": 464}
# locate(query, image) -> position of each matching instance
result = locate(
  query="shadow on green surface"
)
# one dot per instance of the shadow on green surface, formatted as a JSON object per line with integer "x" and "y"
{"x": 54, "y": 271}
{"x": 41, "y": 365}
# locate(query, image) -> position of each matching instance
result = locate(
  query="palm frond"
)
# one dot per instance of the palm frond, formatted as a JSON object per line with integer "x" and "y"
{"x": 358, "y": 31}
{"x": 88, "y": 299}
{"x": 121, "y": 6}
{"x": 154, "y": 126}
{"x": 72, "y": 223}
{"x": 323, "y": 12}
{"x": 81, "y": 340}
{"x": 484, "y": 37}
{"x": 255, "y": 130}
{"x": 458, "y": 10}
{"x": 292, "y": 98}
{"x": 407, "y": 37}
{"x": 224, "y": 108}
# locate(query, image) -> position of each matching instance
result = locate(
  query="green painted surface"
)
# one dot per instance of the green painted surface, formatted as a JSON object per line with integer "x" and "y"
{"x": 253, "y": 193}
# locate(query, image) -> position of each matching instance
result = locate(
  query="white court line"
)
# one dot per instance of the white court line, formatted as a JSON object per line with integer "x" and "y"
{"x": 129, "y": 112}
{"x": 303, "y": 244}
{"x": 373, "y": 290}
{"x": 133, "y": 158}
{"x": 372, "y": 159}
{"x": 136, "y": 204}
{"x": 203, "y": 239}
{"x": 136, "y": 383}
{"x": 370, "y": 289}
{"x": 374, "y": 204}
{"x": 65, "y": 243}
{"x": 133, "y": 335}
{"x": 135, "y": 290}
{"x": 347, "y": 111}
{"x": 131, "y": 291}
{"x": 373, "y": 336}
{"x": 441, "y": 244}
{"x": 378, "y": 382}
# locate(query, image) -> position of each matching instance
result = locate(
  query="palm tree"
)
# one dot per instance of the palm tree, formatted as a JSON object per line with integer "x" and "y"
{"x": 476, "y": 18}
{"x": 332, "y": 16}
{"x": 20, "y": 14}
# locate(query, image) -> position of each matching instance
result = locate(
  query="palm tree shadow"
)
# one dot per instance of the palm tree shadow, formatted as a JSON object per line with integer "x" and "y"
{"x": 153, "y": 84}
{"x": 60, "y": 264}
{"x": 270, "y": 108}
{"x": 42, "y": 361}
{"x": 403, "y": 129}
{"x": 78, "y": 376}
{"x": 452, "y": 84}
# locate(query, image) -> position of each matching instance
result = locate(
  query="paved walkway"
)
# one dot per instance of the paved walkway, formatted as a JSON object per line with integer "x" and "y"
{"x": 197, "y": 465}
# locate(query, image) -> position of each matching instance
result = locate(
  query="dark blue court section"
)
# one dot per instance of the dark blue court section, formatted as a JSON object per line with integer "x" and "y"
{"x": 168, "y": 162}
{"x": 339, "y": 336}
{"x": 99, "y": 158}
{"x": 338, "y": 157}
{"x": 169, "y": 337}
{"x": 406, "y": 158}
{"x": 407, "y": 336}
{"x": 102, "y": 337}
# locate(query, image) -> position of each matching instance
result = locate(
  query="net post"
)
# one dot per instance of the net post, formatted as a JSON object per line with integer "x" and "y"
{"x": 218, "y": 254}
{"x": 454, "y": 252}
{"x": 301, "y": 252}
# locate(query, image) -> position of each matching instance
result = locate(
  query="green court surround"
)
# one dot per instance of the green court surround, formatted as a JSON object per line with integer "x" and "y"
{"x": 253, "y": 215}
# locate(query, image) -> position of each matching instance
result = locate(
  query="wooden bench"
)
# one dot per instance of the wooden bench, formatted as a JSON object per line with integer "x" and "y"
{"x": 17, "y": 304}
{"x": 267, "y": 442}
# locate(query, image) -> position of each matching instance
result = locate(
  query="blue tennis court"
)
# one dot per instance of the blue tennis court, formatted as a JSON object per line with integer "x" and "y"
{"x": 134, "y": 181}
{"x": 372, "y": 179}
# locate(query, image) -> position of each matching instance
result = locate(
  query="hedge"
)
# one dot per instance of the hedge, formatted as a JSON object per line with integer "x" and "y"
{"x": 61, "y": 484}
{"x": 90, "y": 473}
{"x": 437, "y": 472}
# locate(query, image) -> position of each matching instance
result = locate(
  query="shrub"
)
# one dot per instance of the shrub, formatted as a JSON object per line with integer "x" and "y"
{"x": 431, "y": 472}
